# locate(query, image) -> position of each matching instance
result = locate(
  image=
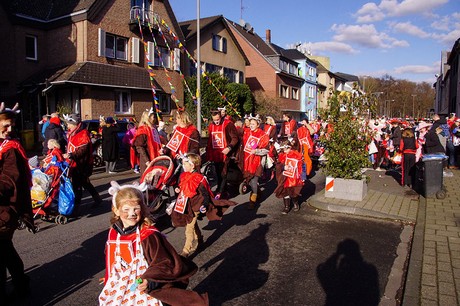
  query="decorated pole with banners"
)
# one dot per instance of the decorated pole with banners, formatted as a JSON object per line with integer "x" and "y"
{"x": 198, "y": 69}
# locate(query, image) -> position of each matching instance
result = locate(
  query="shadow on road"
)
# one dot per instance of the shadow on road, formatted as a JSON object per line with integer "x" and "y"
{"x": 238, "y": 271}
{"x": 347, "y": 279}
{"x": 57, "y": 279}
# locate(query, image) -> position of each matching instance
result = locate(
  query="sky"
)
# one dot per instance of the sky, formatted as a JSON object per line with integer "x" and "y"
{"x": 401, "y": 38}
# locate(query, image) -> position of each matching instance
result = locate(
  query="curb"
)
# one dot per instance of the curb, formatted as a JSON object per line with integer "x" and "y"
{"x": 317, "y": 201}
{"x": 412, "y": 285}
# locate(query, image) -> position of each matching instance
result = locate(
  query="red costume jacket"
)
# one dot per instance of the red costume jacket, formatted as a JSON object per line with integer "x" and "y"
{"x": 252, "y": 140}
{"x": 153, "y": 140}
{"x": 292, "y": 168}
{"x": 220, "y": 137}
{"x": 288, "y": 128}
{"x": 184, "y": 140}
{"x": 80, "y": 147}
{"x": 305, "y": 139}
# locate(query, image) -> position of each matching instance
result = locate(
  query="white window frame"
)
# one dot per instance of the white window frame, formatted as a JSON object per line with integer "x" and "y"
{"x": 135, "y": 57}
{"x": 219, "y": 43}
{"x": 112, "y": 51}
{"x": 119, "y": 97}
{"x": 165, "y": 58}
{"x": 284, "y": 91}
{"x": 295, "y": 93}
{"x": 35, "y": 57}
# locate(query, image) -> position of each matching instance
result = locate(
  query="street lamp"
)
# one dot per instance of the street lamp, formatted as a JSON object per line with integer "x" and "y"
{"x": 198, "y": 69}
{"x": 388, "y": 108}
{"x": 413, "y": 105}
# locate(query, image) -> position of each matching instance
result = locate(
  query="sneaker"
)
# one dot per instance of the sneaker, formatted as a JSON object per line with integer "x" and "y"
{"x": 112, "y": 172}
{"x": 136, "y": 171}
{"x": 380, "y": 169}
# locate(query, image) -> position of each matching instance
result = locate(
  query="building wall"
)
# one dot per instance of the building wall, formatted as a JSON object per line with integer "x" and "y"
{"x": 260, "y": 75}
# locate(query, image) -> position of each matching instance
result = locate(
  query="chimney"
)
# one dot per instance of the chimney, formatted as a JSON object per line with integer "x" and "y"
{"x": 268, "y": 36}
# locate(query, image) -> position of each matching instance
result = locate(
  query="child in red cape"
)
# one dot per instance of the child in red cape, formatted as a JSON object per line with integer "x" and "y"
{"x": 142, "y": 267}
{"x": 288, "y": 172}
{"x": 195, "y": 198}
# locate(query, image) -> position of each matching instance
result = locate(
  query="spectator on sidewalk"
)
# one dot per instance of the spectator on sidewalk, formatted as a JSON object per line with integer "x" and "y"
{"x": 128, "y": 143}
{"x": 110, "y": 145}
{"x": 408, "y": 147}
{"x": 44, "y": 124}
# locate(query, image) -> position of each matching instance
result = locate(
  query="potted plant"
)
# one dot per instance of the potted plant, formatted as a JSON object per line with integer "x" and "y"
{"x": 346, "y": 144}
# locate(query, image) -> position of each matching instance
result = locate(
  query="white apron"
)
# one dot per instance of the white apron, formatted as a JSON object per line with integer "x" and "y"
{"x": 121, "y": 287}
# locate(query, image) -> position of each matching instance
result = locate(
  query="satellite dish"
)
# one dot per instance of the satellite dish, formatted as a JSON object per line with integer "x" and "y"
{"x": 242, "y": 22}
{"x": 247, "y": 26}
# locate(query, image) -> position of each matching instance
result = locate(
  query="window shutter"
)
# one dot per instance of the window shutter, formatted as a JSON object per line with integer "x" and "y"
{"x": 176, "y": 57}
{"x": 101, "y": 43}
{"x": 135, "y": 50}
{"x": 151, "y": 52}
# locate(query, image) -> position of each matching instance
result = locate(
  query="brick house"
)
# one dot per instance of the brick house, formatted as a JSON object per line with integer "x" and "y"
{"x": 87, "y": 56}
{"x": 270, "y": 70}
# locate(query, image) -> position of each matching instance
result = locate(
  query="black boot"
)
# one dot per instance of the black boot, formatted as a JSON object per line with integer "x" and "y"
{"x": 295, "y": 201}
{"x": 287, "y": 206}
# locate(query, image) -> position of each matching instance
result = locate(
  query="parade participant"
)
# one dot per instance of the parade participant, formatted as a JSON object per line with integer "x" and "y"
{"x": 288, "y": 127}
{"x": 288, "y": 170}
{"x": 395, "y": 133}
{"x": 142, "y": 267}
{"x": 147, "y": 140}
{"x": 306, "y": 147}
{"x": 185, "y": 139}
{"x": 222, "y": 144}
{"x": 270, "y": 128}
{"x": 408, "y": 147}
{"x": 15, "y": 203}
{"x": 195, "y": 199}
{"x": 110, "y": 145}
{"x": 79, "y": 155}
{"x": 128, "y": 143}
{"x": 255, "y": 145}
{"x": 53, "y": 152}
{"x": 223, "y": 113}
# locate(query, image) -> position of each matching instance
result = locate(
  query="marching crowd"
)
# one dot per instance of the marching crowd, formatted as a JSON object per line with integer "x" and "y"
{"x": 283, "y": 153}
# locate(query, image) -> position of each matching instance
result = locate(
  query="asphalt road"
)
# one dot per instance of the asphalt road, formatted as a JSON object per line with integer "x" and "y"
{"x": 258, "y": 257}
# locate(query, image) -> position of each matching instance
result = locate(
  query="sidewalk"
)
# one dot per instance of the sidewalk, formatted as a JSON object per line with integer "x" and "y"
{"x": 433, "y": 272}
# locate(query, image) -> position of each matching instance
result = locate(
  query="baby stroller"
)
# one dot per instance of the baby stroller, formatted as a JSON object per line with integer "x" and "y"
{"x": 159, "y": 177}
{"x": 48, "y": 186}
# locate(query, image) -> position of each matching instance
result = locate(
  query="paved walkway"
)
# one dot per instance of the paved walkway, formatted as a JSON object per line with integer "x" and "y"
{"x": 433, "y": 276}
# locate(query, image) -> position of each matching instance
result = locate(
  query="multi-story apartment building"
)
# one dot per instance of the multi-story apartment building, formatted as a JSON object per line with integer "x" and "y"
{"x": 447, "y": 84}
{"x": 93, "y": 57}
{"x": 270, "y": 70}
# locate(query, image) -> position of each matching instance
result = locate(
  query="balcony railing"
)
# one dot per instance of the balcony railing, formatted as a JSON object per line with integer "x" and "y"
{"x": 145, "y": 16}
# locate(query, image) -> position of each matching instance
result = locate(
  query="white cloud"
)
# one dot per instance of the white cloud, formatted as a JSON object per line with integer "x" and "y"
{"x": 329, "y": 46}
{"x": 409, "y": 28}
{"x": 370, "y": 12}
{"x": 365, "y": 35}
{"x": 441, "y": 24}
{"x": 449, "y": 39}
{"x": 417, "y": 69}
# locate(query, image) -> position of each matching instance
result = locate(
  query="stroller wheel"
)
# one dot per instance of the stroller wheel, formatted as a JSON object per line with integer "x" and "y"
{"x": 21, "y": 225}
{"x": 243, "y": 188}
{"x": 97, "y": 161}
{"x": 57, "y": 219}
{"x": 61, "y": 219}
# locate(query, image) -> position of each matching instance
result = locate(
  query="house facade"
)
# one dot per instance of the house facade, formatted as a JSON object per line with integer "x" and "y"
{"x": 219, "y": 50}
{"x": 270, "y": 70}
{"x": 93, "y": 57}
{"x": 309, "y": 89}
{"x": 447, "y": 84}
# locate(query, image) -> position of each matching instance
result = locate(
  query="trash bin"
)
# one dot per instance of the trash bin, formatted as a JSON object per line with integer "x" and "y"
{"x": 27, "y": 138}
{"x": 430, "y": 172}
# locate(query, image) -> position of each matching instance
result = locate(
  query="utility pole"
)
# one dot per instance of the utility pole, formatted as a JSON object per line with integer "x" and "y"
{"x": 198, "y": 69}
